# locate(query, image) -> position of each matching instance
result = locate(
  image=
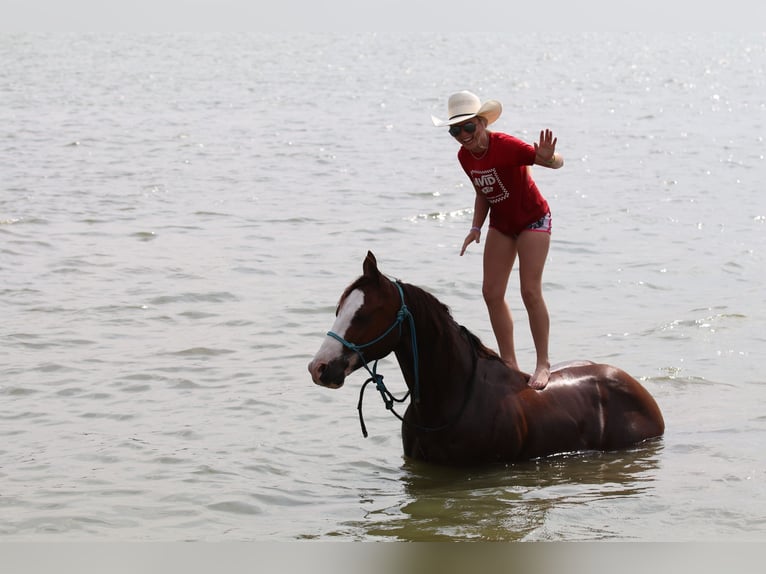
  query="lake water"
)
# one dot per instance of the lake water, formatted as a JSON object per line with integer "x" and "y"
{"x": 180, "y": 213}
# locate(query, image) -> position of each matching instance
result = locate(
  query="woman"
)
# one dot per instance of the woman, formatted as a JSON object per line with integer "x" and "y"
{"x": 519, "y": 218}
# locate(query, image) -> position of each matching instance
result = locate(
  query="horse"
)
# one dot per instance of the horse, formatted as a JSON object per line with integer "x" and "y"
{"x": 467, "y": 406}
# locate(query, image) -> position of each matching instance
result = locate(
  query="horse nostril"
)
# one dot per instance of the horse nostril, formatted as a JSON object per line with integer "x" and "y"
{"x": 316, "y": 369}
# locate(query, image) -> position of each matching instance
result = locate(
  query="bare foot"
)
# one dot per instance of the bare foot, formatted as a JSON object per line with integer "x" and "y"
{"x": 539, "y": 378}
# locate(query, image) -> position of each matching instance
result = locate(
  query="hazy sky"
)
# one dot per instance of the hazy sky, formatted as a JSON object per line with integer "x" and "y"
{"x": 512, "y": 16}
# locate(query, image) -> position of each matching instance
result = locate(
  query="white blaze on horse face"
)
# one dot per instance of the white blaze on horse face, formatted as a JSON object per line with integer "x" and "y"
{"x": 332, "y": 348}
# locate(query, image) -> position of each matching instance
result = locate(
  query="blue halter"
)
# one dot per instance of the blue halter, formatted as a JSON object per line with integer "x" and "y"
{"x": 388, "y": 398}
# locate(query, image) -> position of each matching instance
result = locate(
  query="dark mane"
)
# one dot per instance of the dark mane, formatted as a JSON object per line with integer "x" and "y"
{"x": 481, "y": 349}
{"x": 440, "y": 315}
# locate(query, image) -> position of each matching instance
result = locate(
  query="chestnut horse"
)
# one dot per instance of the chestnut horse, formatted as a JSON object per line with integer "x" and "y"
{"x": 467, "y": 406}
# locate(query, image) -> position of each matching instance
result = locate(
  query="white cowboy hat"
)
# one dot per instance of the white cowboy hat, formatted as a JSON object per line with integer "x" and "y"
{"x": 465, "y": 105}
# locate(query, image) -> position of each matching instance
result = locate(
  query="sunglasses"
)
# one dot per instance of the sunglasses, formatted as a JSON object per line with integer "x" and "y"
{"x": 469, "y": 128}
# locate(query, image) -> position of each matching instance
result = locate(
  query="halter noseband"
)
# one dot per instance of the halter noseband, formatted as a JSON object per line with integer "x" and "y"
{"x": 388, "y": 398}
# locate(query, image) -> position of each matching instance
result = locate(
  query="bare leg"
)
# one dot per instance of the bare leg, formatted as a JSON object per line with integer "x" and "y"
{"x": 533, "y": 251}
{"x": 499, "y": 257}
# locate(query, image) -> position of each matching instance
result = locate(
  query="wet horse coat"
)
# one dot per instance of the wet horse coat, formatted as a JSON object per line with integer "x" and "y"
{"x": 468, "y": 407}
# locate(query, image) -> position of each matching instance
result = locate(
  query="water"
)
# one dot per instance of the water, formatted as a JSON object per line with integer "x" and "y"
{"x": 179, "y": 214}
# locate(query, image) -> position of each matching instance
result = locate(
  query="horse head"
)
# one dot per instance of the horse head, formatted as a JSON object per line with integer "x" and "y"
{"x": 365, "y": 330}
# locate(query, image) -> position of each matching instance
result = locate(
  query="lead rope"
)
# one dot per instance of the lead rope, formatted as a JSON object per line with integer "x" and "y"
{"x": 385, "y": 394}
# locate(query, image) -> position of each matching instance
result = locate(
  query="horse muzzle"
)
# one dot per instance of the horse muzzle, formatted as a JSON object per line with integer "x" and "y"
{"x": 330, "y": 374}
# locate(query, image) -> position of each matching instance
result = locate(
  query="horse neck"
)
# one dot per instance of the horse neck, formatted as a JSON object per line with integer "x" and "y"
{"x": 445, "y": 356}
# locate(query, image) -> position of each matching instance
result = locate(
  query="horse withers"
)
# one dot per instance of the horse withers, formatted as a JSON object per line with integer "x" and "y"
{"x": 467, "y": 407}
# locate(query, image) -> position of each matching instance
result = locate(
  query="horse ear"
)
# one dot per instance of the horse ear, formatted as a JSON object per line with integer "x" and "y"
{"x": 370, "y": 266}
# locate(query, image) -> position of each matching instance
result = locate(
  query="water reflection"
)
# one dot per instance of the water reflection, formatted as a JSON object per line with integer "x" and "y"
{"x": 516, "y": 502}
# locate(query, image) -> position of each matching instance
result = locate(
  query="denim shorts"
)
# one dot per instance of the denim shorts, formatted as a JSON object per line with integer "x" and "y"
{"x": 542, "y": 224}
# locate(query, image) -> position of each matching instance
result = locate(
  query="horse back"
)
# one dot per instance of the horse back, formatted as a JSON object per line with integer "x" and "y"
{"x": 585, "y": 406}
{"x": 607, "y": 400}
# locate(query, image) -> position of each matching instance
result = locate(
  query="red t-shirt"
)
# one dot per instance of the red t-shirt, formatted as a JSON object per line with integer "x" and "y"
{"x": 502, "y": 176}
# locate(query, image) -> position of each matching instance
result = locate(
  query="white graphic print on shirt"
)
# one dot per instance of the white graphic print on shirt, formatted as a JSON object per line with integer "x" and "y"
{"x": 488, "y": 183}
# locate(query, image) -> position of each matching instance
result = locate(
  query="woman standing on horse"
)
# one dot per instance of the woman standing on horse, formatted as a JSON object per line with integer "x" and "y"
{"x": 519, "y": 218}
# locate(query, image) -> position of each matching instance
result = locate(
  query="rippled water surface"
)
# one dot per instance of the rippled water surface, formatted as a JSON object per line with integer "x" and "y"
{"x": 179, "y": 214}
